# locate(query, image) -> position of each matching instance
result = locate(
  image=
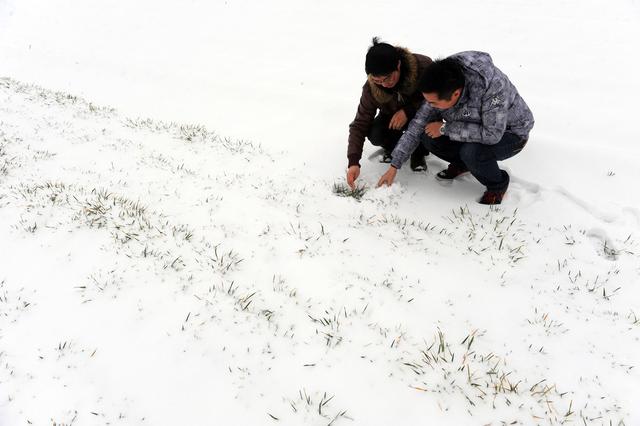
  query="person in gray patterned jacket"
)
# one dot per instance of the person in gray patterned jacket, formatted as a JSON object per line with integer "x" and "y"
{"x": 472, "y": 118}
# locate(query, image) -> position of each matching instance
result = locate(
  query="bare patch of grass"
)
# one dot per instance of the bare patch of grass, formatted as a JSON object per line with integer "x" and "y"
{"x": 485, "y": 380}
{"x": 343, "y": 190}
{"x": 312, "y": 408}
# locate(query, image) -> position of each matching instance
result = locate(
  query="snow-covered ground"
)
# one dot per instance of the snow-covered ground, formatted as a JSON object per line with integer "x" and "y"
{"x": 172, "y": 250}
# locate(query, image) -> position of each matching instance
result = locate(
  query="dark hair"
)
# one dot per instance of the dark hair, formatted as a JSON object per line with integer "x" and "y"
{"x": 443, "y": 77}
{"x": 382, "y": 58}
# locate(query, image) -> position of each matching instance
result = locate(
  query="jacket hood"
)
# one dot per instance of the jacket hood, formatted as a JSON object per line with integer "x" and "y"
{"x": 480, "y": 62}
{"x": 408, "y": 82}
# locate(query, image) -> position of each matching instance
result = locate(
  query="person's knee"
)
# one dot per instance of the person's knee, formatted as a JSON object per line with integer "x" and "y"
{"x": 379, "y": 133}
{"x": 376, "y": 136}
{"x": 437, "y": 145}
{"x": 425, "y": 141}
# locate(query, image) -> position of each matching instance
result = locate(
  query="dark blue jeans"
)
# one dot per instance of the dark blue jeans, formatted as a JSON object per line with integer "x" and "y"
{"x": 480, "y": 159}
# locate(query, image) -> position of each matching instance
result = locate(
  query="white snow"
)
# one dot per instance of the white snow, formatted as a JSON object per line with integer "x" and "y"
{"x": 172, "y": 250}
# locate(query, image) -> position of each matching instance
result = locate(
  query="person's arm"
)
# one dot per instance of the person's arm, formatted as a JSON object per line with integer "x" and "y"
{"x": 411, "y": 138}
{"x": 360, "y": 126}
{"x": 407, "y": 143}
{"x": 494, "y": 113}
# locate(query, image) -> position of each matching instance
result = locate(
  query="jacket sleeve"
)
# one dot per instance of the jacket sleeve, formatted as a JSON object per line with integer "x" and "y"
{"x": 411, "y": 137}
{"x": 360, "y": 126}
{"x": 494, "y": 114}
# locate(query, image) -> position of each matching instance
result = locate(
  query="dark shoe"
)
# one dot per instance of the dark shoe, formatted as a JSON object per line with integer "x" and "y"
{"x": 418, "y": 164}
{"x": 492, "y": 197}
{"x": 386, "y": 157}
{"x": 451, "y": 172}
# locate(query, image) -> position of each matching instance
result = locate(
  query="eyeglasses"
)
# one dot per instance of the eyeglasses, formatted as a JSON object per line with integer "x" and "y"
{"x": 382, "y": 79}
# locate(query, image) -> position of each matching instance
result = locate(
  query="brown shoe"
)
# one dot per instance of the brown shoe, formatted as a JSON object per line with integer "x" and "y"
{"x": 451, "y": 172}
{"x": 492, "y": 197}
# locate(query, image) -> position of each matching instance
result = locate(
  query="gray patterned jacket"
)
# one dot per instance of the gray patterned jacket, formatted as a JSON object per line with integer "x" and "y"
{"x": 489, "y": 106}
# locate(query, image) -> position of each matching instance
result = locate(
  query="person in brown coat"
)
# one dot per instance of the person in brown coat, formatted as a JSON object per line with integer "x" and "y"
{"x": 391, "y": 92}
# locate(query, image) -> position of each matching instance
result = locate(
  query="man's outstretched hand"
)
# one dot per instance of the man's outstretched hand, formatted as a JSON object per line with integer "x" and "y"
{"x": 388, "y": 177}
{"x": 352, "y": 174}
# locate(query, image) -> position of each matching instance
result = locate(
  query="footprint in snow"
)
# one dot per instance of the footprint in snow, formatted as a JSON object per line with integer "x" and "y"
{"x": 603, "y": 244}
{"x": 524, "y": 193}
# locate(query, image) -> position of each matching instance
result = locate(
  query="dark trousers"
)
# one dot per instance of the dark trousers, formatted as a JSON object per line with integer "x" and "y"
{"x": 381, "y": 135}
{"x": 480, "y": 159}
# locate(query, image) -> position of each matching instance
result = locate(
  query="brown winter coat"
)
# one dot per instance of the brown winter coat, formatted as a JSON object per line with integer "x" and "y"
{"x": 405, "y": 95}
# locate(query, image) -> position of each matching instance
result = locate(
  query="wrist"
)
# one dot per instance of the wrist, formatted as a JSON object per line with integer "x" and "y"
{"x": 443, "y": 127}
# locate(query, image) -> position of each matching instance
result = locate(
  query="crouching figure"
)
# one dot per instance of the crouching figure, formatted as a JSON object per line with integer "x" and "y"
{"x": 391, "y": 92}
{"x": 472, "y": 118}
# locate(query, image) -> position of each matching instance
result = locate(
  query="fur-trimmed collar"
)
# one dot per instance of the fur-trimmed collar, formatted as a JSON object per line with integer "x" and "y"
{"x": 408, "y": 82}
